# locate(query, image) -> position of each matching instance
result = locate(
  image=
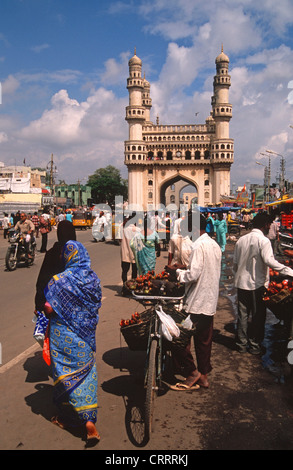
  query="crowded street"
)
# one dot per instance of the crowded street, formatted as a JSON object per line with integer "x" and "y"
{"x": 247, "y": 406}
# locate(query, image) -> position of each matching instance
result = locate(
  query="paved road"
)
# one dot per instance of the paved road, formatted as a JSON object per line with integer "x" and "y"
{"x": 246, "y": 407}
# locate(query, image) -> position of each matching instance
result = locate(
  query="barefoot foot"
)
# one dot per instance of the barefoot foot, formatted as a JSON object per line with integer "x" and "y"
{"x": 93, "y": 435}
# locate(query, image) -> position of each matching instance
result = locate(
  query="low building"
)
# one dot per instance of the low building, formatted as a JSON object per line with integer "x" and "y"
{"x": 75, "y": 195}
{"x": 21, "y": 188}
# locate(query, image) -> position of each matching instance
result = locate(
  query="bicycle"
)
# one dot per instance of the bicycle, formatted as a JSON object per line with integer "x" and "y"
{"x": 156, "y": 358}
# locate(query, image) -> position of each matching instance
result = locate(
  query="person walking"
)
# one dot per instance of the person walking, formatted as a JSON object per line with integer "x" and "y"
{"x": 6, "y": 225}
{"x": 45, "y": 225}
{"x": 221, "y": 231}
{"x": 73, "y": 303}
{"x": 69, "y": 216}
{"x": 126, "y": 233}
{"x": 36, "y": 221}
{"x": 253, "y": 256}
{"x": 210, "y": 225}
{"x": 146, "y": 248}
{"x": 202, "y": 279}
{"x": 52, "y": 262}
{"x": 246, "y": 220}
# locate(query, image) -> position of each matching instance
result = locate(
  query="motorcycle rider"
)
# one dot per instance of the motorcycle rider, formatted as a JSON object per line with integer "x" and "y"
{"x": 27, "y": 228}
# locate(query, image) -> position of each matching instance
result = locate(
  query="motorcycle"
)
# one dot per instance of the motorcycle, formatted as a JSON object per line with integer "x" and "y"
{"x": 16, "y": 252}
{"x": 285, "y": 240}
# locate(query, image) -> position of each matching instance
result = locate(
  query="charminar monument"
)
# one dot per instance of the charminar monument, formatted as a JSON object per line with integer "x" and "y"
{"x": 162, "y": 159}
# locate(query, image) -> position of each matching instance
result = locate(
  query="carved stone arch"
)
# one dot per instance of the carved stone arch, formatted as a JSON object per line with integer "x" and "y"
{"x": 172, "y": 180}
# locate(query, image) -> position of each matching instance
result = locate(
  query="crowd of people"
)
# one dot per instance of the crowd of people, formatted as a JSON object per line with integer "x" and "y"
{"x": 68, "y": 291}
{"x": 198, "y": 266}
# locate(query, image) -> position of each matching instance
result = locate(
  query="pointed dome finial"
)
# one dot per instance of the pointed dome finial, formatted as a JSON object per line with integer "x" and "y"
{"x": 135, "y": 51}
{"x": 222, "y": 57}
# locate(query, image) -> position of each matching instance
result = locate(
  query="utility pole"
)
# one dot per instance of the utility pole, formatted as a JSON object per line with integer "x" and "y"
{"x": 52, "y": 175}
{"x": 52, "y": 170}
{"x": 79, "y": 198}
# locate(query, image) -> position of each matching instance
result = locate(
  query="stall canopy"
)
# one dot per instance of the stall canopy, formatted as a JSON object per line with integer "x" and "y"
{"x": 219, "y": 209}
{"x": 280, "y": 201}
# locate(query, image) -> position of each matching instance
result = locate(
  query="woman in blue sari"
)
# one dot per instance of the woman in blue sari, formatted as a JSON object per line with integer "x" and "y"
{"x": 73, "y": 302}
{"x": 146, "y": 248}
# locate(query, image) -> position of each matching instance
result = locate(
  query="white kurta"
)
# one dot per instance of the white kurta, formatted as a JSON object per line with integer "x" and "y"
{"x": 253, "y": 256}
{"x": 203, "y": 277}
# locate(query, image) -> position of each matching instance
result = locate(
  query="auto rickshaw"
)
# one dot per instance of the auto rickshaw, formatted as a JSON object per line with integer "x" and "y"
{"x": 82, "y": 219}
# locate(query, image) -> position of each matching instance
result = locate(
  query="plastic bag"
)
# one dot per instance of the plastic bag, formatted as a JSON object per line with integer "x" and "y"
{"x": 169, "y": 327}
{"x": 187, "y": 323}
{"x": 46, "y": 351}
{"x": 41, "y": 322}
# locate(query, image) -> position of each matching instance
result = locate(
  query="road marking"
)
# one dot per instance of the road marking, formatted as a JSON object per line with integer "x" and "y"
{"x": 23, "y": 355}
{"x": 19, "y": 358}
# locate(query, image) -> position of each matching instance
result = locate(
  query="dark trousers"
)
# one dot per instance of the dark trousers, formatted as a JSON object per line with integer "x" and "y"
{"x": 183, "y": 359}
{"x": 125, "y": 268}
{"x": 250, "y": 304}
{"x": 44, "y": 242}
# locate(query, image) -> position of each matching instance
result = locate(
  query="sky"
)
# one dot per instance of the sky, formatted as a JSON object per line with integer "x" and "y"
{"x": 64, "y": 68}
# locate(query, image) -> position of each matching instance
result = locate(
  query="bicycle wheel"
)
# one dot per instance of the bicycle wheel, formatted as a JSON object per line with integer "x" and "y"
{"x": 151, "y": 389}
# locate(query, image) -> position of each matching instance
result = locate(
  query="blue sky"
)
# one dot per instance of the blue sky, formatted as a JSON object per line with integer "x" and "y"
{"x": 64, "y": 66}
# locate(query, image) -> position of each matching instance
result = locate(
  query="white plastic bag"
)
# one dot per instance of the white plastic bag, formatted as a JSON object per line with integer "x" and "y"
{"x": 187, "y": 323}
{"x": 169, "y": 327}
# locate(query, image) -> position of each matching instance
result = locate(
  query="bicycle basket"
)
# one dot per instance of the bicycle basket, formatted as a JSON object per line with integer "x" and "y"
{"x": 281, "y": 304}
{"x": 136, "y": 335}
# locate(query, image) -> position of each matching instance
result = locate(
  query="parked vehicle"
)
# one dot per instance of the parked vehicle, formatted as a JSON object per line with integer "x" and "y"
{"x": 16, "y": 252}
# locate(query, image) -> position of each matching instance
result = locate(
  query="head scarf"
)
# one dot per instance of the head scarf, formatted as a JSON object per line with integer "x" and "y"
{"x": 65, "y": 231}
{"x": 75, "y": 294}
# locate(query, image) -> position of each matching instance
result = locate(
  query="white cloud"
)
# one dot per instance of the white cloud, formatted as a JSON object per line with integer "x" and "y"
{"x": 10, "y": 85}
{"x": 82, "y": 135}
{"x": 40, "y": 48}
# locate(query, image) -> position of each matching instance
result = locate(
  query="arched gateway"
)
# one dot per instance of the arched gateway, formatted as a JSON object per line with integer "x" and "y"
{"x": 158, "y": 156}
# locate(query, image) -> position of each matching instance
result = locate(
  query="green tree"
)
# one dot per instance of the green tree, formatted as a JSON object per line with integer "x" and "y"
{"x": 106, "y": 183}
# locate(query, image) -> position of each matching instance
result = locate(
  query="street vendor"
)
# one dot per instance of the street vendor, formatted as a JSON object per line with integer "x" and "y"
{"x": 202, "y": 290}
{"x": 253, "y": 256}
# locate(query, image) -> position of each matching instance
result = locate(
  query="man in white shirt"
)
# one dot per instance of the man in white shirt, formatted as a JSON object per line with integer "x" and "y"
{"x": 202, "y": 280}
{"x": 253, "y": 256}
{"x": 177, "y": 225}
{"x": 126, "y": 233}
{"x": 6, "y": 223}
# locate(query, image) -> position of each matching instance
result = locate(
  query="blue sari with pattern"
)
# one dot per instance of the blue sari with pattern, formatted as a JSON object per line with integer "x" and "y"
{"x": 144, "y": 251}
{"x": 75, "y": 296}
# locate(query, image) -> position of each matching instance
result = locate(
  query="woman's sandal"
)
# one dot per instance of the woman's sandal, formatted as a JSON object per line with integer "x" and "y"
{"x": 181, "y": 386}
{"x": 91, "y": 441}
{"x": 58, "y": 423}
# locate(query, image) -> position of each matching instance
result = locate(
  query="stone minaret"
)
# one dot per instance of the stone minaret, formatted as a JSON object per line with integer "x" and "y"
{"x": 222, "y": 152}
